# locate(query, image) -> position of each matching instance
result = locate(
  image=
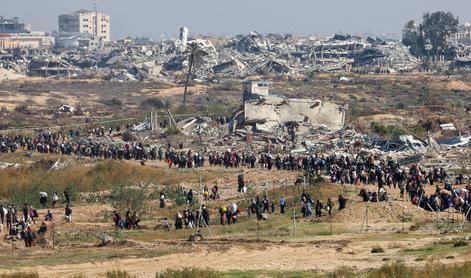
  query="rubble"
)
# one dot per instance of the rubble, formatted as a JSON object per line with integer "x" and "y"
{"x": 449, "y": 126}
{"x": 67, "y": 109}
{"x": 240, "y": 56}
{"x": 453, "y": 142}
{"x": 387, "y": 58}
{"x": 271, "y": 113}
{"x": 6, "y": 165}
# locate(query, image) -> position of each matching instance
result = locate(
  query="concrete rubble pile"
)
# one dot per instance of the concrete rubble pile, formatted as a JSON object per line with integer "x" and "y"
{"x": 390, "y": 58}
{"x": 237, "y": 57}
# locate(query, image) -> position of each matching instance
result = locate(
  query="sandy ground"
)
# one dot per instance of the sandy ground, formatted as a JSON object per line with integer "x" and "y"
{"x": 195, "y": 90}
{"x": 316, "y": 253}
{"x": 319, "y": 256}
{"x": 9, "y": 75}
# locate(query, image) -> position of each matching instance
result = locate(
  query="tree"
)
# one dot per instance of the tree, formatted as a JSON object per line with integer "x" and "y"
{"x": 412, "y": 38}
{"x": 437, "y": 29}
{"x": 432, "y": 35}
{"x": 196, "y": 57}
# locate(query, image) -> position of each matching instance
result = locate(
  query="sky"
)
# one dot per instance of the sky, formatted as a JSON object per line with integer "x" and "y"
{"x": 162, "y": 19}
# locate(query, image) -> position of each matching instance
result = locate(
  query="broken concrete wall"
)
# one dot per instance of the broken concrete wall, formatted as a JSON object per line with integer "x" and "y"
{"x": 270, "y": 112}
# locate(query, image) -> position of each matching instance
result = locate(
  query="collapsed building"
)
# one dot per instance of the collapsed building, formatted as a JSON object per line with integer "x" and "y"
{"x": 287, "y": 119}
{"x": 269, "y": 113}
{"x": 242, "y": 56}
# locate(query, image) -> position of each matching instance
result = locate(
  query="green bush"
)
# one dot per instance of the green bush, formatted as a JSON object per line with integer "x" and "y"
{"x": 24, "y": 109}
{"x": 189, "y": 273}
{"x": 377, "y": 249}
{"x": 119, "y": 274}
{"x": 172, "y": 131}
{"x": 125, "y": 197}
{"x": 30, "y": 194}
{"x": 392, "y": 270}
{"x": 460, "y": 243}
{"x": 387, "y": 131}
{"x": 343, "y": 272}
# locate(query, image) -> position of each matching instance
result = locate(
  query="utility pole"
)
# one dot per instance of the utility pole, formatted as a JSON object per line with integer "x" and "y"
{"x": 53, "y": 232}
{"x": 330, "y": 219}
{"x": 258, "y": 228}
{"x": 366, "y": 217}
{"x": 402, "y": 219}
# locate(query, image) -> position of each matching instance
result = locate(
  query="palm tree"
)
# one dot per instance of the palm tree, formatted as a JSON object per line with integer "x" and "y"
{"x": 196, "y": 57}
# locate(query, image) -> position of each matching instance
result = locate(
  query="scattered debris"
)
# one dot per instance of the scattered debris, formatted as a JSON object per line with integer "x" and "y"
{"x": 67, "y": 109}
{"x": 241, "y": 56}
{"x": 5, "y": 165}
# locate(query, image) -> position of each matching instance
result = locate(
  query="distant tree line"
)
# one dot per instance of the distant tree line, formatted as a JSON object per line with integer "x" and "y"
{"x": 431, "y": 37}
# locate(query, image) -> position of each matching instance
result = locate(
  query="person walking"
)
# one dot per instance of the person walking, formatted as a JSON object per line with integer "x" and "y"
{"x": 55, "y": 198}
{"x": 282, "y": 204}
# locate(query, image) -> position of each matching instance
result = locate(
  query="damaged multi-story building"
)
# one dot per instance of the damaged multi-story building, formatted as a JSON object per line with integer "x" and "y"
{"x": 84, "y": 28}
{"x": 275, "y": 114}
{"x": 15, "y": 34}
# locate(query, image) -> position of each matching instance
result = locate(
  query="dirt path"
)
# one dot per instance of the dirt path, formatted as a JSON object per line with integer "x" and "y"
{"x": 322, "y": 256}
{"x": 196, "y": 90}
{"x": 287, "y": 258}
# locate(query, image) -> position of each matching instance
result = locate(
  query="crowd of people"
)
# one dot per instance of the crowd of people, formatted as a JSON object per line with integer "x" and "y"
{"x": 20, "y": 224}
{"x": 130, "y": 222}
{"x": 377, "y": 176}
{"x": 72, "y": 144}
{"x": 191, "y": 218}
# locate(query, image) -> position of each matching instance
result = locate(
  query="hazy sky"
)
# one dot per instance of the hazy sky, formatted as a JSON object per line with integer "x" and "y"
{"x": 154, "y": 18}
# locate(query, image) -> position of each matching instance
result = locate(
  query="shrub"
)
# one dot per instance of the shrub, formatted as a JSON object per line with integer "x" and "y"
{"x": 30, "y": 194}
{"x": 172, "y": 131}
{"x": 460, "y": 243}
{"x": 114, "y": 102}
{"x": 343, "y": 272}
{"x": 393, "y": 270}
{"x": 377, "y": 249}
{"x": 126, "y": 197}
{"x": 153, "y": 102}
{"x": 119, "y": 274}
{"x": 392, "y": 131}
{"x": 189, "y": 273}
{"x": 23, "y": 108}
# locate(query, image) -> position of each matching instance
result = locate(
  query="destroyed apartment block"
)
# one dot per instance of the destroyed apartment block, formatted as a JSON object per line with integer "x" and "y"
{"x": 51, "y": 67}
{"x": 285, "y": 116}
{"x": 241, "y": 56}
{"x": 269, "y": 113}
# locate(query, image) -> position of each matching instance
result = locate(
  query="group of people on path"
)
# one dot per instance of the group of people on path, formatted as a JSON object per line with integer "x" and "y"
{"x": 130, "y": 222}
{"x": 21, "y": 225}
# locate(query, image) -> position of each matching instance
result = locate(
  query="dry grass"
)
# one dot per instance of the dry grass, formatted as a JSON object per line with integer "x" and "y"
{"x": 91, "y": 177}
{"x": 20, "y": 275}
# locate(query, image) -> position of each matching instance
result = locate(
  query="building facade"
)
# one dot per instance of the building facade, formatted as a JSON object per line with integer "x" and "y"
{"x": 463, "y": 36}
{"x": 14, "y": 34}
{"x": 36, "y": 40}
{"x": 255, "y": 89}
{"x": 13, "y": 26}
{"x": 86, "y": 22}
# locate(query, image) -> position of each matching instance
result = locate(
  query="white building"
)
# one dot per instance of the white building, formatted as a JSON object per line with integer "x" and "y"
{"x": 463, "y": 35}
{"x": 86, "y": 22}
{"x": 255, "y": 89}
{"x": 184, "y": 36}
